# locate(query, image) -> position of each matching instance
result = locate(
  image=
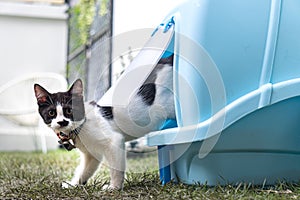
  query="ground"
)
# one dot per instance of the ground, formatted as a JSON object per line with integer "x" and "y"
{"x": 39, "y": 176}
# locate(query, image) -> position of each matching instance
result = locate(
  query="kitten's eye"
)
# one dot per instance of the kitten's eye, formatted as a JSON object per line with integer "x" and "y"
{"x": 68, "y": 111}
{"x": 51, "y": 113}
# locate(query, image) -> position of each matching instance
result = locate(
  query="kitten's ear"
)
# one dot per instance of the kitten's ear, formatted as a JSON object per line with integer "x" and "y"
{"x": 40, "y": 93}
{"x": 77, "y": 88}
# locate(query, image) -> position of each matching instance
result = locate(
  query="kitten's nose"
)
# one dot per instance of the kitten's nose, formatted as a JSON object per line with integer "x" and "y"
{"x": 63, "y": 123}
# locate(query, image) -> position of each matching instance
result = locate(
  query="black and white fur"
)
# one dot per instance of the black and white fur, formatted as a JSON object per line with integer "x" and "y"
{"x": 101, "y": 132}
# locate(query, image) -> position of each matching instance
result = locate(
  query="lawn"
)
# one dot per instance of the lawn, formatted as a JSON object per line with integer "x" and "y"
{"x": 39, "y": 176}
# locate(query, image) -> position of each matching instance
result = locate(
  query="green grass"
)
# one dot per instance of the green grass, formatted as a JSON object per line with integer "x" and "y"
{"x": 39, "y": 176}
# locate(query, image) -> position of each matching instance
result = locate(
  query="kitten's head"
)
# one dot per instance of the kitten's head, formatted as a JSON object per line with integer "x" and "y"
{"x": 61, "y": 111}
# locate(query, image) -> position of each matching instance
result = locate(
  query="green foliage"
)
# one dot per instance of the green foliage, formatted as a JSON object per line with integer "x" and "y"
{"x": 82, "y": 16}
{"x": 81, "y": 19}
{"x": 103, "y": 8}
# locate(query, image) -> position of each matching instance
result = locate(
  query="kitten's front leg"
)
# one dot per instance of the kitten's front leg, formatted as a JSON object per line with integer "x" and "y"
{"x": 88, "y": 165}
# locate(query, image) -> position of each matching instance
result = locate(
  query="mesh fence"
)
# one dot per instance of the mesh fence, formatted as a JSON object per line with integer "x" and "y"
{"x": 92, "y": 61}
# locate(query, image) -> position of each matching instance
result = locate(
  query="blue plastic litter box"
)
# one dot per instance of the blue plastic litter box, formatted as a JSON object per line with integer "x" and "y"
{"x": 237, "y": 86}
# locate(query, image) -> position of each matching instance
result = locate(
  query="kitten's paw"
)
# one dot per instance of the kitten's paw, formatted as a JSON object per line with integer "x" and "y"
{"x": 67, "y": 184}
{"x": 111, "y": 187}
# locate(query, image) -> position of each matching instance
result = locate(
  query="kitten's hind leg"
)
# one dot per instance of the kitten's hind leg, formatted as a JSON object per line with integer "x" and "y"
{"x": 116, "y": 158}
{"x": 87, "y": 167}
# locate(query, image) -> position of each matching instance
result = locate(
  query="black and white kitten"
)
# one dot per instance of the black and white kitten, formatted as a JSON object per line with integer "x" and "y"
{"x": 102, "y": 131}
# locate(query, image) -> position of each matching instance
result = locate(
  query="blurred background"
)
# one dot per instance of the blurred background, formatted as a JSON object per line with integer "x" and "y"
{"x": 54, "y": 42}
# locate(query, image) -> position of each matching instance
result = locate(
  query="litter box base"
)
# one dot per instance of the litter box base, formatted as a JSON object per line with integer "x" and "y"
{"x": 262, "y": 148}
{"x": 222, "y": 168}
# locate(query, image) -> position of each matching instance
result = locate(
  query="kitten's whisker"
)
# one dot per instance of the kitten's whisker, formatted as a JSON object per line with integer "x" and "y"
{"x": 69, "y": 101}
{"x": 51, "y": 101}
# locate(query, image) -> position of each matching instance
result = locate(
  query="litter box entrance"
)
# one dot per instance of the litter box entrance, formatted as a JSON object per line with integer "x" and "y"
{"x": 159, "y": 45}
